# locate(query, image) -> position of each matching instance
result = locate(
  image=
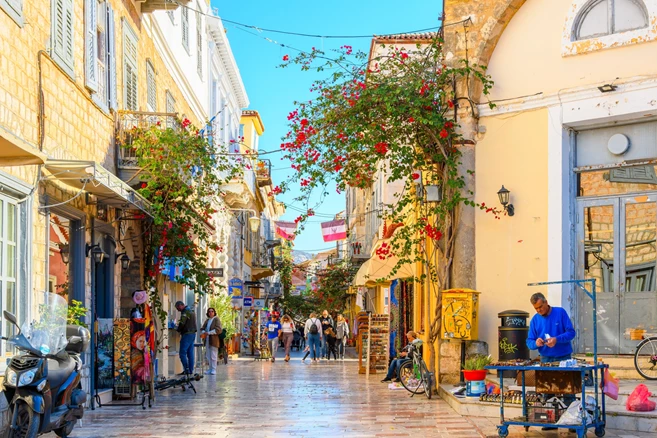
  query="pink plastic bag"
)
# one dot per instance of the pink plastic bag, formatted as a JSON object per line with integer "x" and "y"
{"x": 611, "y": 386}
{"x": 638, "y": 400}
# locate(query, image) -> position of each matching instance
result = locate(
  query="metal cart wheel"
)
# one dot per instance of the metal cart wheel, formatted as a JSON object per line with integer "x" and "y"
{"x": 503, "y": 431}
{"x": 600, "y": 431}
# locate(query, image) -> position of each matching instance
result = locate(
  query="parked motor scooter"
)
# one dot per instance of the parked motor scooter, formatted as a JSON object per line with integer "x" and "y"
{"x": 42, "y": 382}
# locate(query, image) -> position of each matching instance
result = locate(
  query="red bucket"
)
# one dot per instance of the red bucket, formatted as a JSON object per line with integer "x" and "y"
{"x": 474, "y": 375}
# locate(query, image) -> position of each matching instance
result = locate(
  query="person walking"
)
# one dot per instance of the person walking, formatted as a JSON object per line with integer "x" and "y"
{"x": 341, "y": 334}
{"x": 313, "y": 332}
{"x": 287, "y": 332}
{"x": 273, "y": 330}
{"x": 210, "y": 331}
{"x": 327, "y": 322}
{"x": 187, "y": 329}
{"x": 330, "y": 343}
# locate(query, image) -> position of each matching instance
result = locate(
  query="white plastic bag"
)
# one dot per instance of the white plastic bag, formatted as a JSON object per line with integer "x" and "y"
{"x": 573, "y": 415}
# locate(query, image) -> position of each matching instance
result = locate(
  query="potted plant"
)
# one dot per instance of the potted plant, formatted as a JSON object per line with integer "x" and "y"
{"x": 473, "y": 369}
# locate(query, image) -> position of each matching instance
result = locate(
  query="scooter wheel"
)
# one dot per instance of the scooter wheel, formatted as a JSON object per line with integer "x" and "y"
{"x": 66, "y": 430}
{"x": 27, "y": 423}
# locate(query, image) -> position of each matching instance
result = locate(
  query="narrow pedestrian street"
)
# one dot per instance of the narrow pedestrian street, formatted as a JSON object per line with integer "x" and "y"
{"x": 263, "y": 399}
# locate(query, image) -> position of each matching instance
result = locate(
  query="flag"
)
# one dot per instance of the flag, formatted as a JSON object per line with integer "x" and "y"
{"x": 334, "y": 230}
{"x": 286, "y": 230}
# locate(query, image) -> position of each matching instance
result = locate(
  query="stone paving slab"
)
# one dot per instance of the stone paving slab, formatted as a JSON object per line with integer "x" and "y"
{"x": 295, "y": 399}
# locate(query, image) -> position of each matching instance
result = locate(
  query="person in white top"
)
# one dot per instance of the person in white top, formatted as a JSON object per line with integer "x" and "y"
{"x": 314, "y": 335}
{"x": 287, "y": 333}
{"x": 210, "y": 331}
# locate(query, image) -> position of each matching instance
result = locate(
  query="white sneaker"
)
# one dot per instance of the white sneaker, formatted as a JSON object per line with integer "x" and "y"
{"x": 213, "y": 372}
{"x": 208, "y": 372}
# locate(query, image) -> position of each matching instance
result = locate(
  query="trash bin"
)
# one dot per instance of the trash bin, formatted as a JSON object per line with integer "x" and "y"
{"x": 512, "y": 338}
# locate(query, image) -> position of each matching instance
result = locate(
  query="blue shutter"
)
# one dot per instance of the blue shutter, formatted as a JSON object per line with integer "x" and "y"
{"x": 91, "y": 44}
{"x": 111, "y": 57}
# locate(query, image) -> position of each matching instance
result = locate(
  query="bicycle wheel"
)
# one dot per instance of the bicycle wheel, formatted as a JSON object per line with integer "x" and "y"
{"x": 410, "y": 378}
{"x": 426, "y": 379}
{"x": 645, "y": 358}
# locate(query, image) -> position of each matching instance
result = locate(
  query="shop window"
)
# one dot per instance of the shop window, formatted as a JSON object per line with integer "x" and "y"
{"x": 59, "y": 256}
{"x": 606, "y": 17}
{"x": 9, "y": 259}
{"x": 13, "y": 8}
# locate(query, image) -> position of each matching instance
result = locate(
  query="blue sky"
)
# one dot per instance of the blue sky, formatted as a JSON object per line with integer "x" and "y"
{"x": 273, "y": 90}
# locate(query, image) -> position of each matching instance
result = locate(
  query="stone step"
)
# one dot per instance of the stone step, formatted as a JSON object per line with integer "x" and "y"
{"x": 617, "y": 415}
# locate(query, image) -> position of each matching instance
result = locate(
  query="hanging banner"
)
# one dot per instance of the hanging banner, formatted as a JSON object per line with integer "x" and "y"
{"x": 334, "y": 230}
{"x": 286, "y": 230}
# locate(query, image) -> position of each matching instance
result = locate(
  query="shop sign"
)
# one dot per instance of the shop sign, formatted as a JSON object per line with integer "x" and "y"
{"x": 247, "y": 301}
{"x": 236, "y": 301}
{"x": 235, "y": 287}
{"x": 215, "y": 272}
{"x": 258, "y": 304}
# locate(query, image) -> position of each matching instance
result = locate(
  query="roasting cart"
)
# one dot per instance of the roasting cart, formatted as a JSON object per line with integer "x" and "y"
{"x": 560, "y": 380}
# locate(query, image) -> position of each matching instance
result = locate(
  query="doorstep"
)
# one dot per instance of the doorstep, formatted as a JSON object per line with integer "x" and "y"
{"x": 105, "y": 396}
{"x": 618, "y": 417}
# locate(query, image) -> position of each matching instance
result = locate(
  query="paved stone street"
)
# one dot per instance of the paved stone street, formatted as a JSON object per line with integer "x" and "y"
{"x": 248, "y": 398}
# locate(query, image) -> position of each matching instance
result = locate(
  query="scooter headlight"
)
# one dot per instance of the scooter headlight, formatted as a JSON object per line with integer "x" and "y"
{"x": 27, "y": 377}
{"x": 11, "y": 377}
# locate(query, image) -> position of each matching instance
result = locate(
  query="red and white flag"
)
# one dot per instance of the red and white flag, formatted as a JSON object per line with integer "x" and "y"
{"x": 286, "y": 230}
{"x": 334, "y": 230}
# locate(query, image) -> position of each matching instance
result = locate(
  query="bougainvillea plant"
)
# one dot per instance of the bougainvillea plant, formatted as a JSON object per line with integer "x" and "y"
{"x": 391, "y": 114}
{"x": 182, "y": 172}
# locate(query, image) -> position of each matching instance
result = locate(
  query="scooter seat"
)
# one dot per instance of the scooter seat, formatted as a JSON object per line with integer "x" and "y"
{"x": 59, "y": 371}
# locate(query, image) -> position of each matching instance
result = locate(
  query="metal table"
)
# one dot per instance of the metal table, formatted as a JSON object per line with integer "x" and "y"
{"x": 599, "y": 416}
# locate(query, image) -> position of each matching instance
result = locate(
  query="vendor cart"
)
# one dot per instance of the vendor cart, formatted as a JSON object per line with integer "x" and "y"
{"x": 560, "y": 380}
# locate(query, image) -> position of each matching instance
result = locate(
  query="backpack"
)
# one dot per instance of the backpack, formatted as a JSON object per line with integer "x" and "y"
{"x": 313, "y": 328}
{"x": 222, "y": 335}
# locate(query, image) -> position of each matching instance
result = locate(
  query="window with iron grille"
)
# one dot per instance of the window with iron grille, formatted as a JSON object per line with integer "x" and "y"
{"x": 151, "y": 89}
{"x": 199, "y": 44}
{"x": 130, "y": 71}
{"x": 184, "y": 21}
{"x": 61, "y": 35}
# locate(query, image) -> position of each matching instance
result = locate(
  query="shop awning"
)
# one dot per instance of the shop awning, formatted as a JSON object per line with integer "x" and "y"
{"x": 95, "y": 179}
{"x": 14, "y": 151}
{"x": 258, "y": 273}
{"x": 375, "y": 270}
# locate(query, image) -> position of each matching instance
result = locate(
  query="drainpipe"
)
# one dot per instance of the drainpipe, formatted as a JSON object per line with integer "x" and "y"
{"x": 92, "y": 363}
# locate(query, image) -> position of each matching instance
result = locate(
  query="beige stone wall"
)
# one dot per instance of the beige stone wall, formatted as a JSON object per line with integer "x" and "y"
{"x": 75, "y": 128}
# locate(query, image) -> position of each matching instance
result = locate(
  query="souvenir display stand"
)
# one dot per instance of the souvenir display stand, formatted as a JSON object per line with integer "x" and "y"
{"x": 552, "y": 379}
{"x": 374, "y": 337}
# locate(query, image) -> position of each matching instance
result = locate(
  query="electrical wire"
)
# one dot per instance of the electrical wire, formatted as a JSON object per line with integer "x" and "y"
{"x": 284, "y": 32}
{"x": 66, "y": 202}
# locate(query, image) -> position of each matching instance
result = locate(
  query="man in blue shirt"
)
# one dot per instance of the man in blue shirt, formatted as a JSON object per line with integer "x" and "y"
{"x": 273, "y": 329}
{"x": 550, "y": 331}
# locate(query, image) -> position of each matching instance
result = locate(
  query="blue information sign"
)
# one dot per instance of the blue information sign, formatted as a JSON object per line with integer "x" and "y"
{"x": 248, "y": 302}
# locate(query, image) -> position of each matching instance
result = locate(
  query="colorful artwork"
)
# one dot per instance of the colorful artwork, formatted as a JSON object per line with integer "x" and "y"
{"x": 122, "y": 379}
{"x": 137, "y": 345}
{"x": 105, "y": 352}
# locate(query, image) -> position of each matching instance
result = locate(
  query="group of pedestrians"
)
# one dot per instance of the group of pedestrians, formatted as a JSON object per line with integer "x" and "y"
{"x": 212, "y": 335}
{"x": 280, "y": 331}
{"x": 324, "y": 336}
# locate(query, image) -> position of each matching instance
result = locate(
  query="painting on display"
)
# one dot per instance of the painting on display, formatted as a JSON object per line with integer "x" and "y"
{"x": 122, "y": 360}
{"x": 105, "y": 352}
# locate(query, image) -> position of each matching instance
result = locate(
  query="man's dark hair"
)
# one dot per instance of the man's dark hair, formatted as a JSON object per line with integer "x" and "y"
{"x": 179, "y": 303}
{"x": 536, "y": 297}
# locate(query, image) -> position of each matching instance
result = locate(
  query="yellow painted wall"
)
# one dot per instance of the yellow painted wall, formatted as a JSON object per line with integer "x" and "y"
{"x": 511, "y": 251}
{"x": 528, "y": 59}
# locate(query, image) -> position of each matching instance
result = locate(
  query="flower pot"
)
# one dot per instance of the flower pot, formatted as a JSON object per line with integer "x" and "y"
{"x": 474, "y": 375}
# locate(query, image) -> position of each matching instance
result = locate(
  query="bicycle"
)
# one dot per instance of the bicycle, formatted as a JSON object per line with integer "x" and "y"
{"x": 645, "y": 358}
{"x": 414, "y": 374}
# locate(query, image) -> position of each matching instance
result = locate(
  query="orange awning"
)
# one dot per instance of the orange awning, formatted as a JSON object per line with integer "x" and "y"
{"x": 258, "y": 273}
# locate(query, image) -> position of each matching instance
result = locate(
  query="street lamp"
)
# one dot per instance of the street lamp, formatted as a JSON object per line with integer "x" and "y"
{"x": 503, "y": 194}
{"x": 97, "y": 253}
{"x": 65, "y": 252}
{"x": 254, "y": 221}
{"x": 125, "y": 260}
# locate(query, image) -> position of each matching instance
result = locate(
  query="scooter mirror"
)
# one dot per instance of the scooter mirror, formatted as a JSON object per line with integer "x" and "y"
{"x": 10, "y": 317}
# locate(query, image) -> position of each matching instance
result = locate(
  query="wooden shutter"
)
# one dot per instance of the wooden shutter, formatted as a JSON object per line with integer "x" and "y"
{"x": 111, "y": 58}
{"x": 14, "y": 9}
{"x": 130, "y": 76}
{"x": 151, "y": 87}
{"x": 185, "y": 27}
{"x": 199, "y": 45}
{"x": 91, "y": 44}
{"x": 62, "y": 34}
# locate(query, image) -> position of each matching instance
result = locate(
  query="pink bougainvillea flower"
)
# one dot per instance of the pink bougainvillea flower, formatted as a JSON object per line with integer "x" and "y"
{"x": 304, "y": 122}
{"x": 450, "y": 103}
{"x": 404, "y": 55}
{"x": 286, "y": 58}
{"x": 444, "y": 133}
{"x": 381, "y": 148}
{"x": 415, "y": 175}
{"x": 411, "y": 120}
{"x": 449, "y": 125}
{"x": 186, "y": 123}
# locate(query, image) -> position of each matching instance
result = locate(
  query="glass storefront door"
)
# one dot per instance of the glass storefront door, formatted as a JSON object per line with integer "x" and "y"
{"x": 616, "y": 246}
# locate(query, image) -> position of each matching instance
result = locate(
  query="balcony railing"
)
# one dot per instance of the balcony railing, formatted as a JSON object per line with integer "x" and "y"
{"x": 127, "y": 162}
{"x": 263, "y": 173}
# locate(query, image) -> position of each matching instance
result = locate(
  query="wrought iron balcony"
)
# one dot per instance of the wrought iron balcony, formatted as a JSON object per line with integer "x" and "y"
{"x": 160, "y": 5}
{"x": 127, "y": 162}
{"x": 263, "y": 173}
